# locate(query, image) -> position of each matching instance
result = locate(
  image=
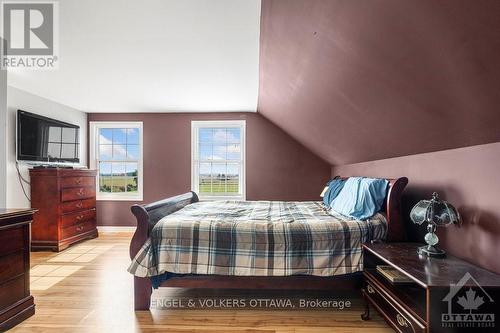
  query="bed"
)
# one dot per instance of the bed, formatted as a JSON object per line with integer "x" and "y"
{"x": 182, "y": 242}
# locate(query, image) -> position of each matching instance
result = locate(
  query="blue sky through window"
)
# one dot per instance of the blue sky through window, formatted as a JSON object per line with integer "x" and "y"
{"x": 219, "y": 160}
{"x": 219, "y": 144}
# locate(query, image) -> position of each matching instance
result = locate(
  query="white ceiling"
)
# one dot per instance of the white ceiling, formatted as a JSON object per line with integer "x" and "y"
{"x": 153, "y": 56}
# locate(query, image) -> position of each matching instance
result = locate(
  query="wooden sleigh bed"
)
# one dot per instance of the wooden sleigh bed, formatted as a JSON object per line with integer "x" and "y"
{"x": 148, "y": 216}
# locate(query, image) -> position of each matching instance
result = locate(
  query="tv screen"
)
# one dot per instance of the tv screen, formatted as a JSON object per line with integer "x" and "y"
{"x": 41, "y": 139}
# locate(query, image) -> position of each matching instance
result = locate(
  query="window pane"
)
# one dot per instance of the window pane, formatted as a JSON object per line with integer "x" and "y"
{"x": 105, "y": 180}
{"x": 105, "y": 183}
{"x": 233, "y": 152}
{"x": 132, "y": 184}
{"x": 205, "y": 169}
{"x": 105, "y": 136}
{"x": 233, "y": 178}
{"x": 233, "y": 135}
{"x": 119, "y": 177}
{"x": 219, "y": 136}
{"x": 205, "y": 135}
{"x": 218, "y": 186}
{"x": 131, "y": 169}
{"x": 118, "y": 169}
{"x": 132, "y": 152}
{"x": 119, "y": 135}
{"x": 105, "y": 152}
{"x": 119, "y": 152}
{"x": 219, "y": 153}
{"x": 218, "y": 169}
{"x": 118, "y": 185}
{"x": 105, "y": 169}
{"x": 133, "y": 136}
{"x": 205, "y": 181}
{"x": 218, "y": 178}
{"x": 205, "y": 152}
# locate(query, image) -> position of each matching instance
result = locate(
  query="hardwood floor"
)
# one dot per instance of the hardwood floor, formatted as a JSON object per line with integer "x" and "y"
{"x": 86, "y": 288}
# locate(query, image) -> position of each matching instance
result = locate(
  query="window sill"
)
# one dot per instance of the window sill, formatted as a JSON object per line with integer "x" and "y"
{"x": 213, "y": 198}
{"x": 119, "y": 198}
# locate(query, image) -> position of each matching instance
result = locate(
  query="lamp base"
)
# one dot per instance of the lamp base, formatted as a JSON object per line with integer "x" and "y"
{"x": 431, "y": 251}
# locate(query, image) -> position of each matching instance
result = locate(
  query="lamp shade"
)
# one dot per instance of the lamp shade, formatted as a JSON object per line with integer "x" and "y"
{"x": 436, "y": 211}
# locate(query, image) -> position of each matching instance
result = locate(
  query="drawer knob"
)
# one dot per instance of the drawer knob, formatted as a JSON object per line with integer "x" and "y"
{"x": 78, "y": 181}
{"x": 401, "y": 320}
{"x": 370, "y": 289}
{"x": 79, "y": 217}
{"x": 80, "y": 192}
{"x": 79, "y": 204}
{"x": 79, "y": 228}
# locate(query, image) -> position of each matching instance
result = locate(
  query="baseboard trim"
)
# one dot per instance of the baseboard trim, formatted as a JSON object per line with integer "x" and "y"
{"x": 105, "y": 228}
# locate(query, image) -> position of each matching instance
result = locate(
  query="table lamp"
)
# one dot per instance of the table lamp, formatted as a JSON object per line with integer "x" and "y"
{"x": 435, "y": 212}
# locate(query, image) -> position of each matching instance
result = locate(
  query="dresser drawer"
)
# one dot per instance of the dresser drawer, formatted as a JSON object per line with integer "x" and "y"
{"x": 78, "y": 229}
{"x": 77, "y": 181}
{"x": 77, "y": 193}
{"x": 399, "y": 318}
{"x": 11, "y": 240}
{"x": 78, "y": 205}
{"x": 77, "y": 218}
{"x": 12, "y": 291}
{"x": 11, "y": 265}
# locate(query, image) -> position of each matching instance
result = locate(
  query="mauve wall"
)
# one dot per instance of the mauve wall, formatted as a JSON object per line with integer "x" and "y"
{"x": 277, "y": 166}
{"x": 466, "y": 177}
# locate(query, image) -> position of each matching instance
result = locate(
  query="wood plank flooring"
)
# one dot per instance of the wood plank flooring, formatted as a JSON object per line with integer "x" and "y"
{"x": 86, "y": 288}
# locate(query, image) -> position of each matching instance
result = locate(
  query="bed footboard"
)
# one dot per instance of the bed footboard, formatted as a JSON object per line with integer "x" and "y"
{"x": 147, "y": 216}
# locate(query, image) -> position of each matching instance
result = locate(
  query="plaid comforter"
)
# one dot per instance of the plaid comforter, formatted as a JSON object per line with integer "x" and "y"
{"x": 256, "y": 238}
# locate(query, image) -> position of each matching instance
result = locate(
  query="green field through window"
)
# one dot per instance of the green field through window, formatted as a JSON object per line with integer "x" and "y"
{"x": 219, "y": 186}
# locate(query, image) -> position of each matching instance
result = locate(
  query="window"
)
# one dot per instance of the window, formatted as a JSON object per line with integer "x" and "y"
{"x": 116, "y": 152}
{"x": 218, "y": 159}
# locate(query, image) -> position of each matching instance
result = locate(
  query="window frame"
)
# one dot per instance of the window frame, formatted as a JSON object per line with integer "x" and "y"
{"x": 94, "y": 128}
{"x": 196, "y": 125}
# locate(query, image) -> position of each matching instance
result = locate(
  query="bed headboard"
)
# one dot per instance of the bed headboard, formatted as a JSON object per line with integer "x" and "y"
{"x": 392, "y": 208}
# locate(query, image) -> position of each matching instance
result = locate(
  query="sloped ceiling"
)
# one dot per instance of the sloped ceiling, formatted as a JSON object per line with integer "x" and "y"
{"x": 363, "y": 80}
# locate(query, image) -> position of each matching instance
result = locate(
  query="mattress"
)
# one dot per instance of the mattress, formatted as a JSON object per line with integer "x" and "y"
{"x": 256, "y": 238}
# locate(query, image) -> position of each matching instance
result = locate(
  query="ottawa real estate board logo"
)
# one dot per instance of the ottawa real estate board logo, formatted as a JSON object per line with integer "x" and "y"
{"x": 469, "y": 305}
{"x": 30, "y": 35}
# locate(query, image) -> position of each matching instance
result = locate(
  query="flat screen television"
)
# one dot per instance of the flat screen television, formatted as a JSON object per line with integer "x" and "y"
{"x": 45, "y": 140}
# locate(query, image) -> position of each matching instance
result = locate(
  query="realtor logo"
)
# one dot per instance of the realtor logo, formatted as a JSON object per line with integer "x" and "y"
{"x": 468, "y": 305}
{"x": 29, "y": 35}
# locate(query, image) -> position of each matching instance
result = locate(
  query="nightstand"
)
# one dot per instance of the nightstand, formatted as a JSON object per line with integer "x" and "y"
{"x": 442, "y": 295}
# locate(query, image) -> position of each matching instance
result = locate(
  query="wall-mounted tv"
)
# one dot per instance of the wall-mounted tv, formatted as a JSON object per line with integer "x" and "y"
{"x": 45, "y": 140}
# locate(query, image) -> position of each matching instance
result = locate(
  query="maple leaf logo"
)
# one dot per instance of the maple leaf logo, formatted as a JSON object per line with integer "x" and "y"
{"x": 470, "y": 301}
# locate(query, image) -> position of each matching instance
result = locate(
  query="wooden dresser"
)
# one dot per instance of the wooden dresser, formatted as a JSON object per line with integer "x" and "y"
{"x": 428, "y": 302}
{"x": 16, "y": 303}
{"x": 66, "y": 204}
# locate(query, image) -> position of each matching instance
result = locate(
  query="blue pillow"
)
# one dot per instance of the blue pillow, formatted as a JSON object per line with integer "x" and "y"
{"x": 334, "y": 187}
{"x": 360, "y": 197}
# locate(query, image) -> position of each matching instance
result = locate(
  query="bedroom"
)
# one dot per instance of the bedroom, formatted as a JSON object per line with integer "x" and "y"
{"x": 263, "y": 102}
